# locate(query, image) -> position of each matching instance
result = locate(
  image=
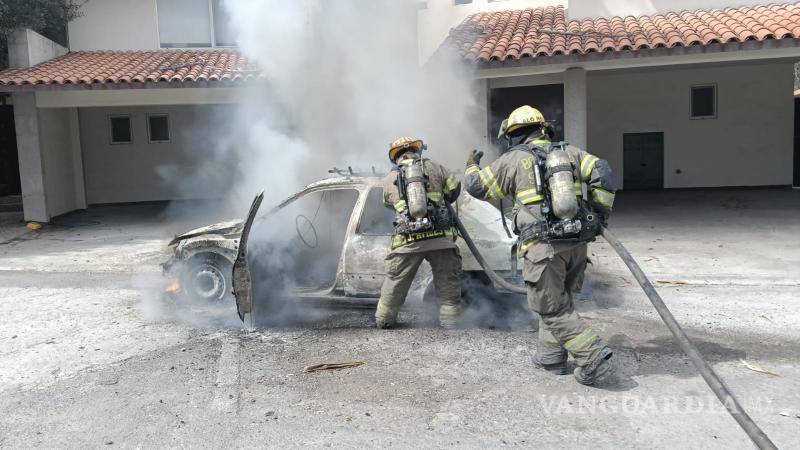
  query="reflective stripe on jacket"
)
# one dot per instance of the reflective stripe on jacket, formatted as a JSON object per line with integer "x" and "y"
{"x": 511, "y": 178}
{"x": 442, "y": 186}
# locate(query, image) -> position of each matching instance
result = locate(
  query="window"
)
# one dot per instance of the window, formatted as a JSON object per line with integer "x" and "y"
{"x": 120, "y": 129}
{"x": 376, "y": 219}
{"x": 194, "y": 23}
{"x": 704, "y": 102}
{"x": 462, "y": 2}
{"x": 158, "y": 127}
{"x": 224, "y": 35}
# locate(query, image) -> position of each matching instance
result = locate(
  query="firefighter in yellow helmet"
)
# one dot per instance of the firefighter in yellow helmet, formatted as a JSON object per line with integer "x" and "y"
{"x": 537, "y": 178}
{"x": 419, "y": 190}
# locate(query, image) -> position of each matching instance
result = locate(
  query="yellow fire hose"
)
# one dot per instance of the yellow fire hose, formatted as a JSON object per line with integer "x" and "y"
{"x": 711, "y": 378}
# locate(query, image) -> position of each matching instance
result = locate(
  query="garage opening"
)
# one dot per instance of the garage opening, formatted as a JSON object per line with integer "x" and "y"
{"x": 10, "y": 187}
{"x": 643, "y": 160}
{"x": 548, "y": 98}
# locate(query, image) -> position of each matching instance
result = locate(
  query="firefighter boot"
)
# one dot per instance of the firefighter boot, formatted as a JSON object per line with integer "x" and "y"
{"x": 598, "y": 369}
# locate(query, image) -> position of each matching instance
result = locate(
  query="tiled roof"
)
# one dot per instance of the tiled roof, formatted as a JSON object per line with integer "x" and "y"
{"x": 186, "y": 67}
{"x": 545, "y": 31}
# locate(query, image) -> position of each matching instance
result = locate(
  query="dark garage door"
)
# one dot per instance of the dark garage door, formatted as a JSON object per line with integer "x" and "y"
{"x": 643, "y": 160}
{"x": 548, "y": 98}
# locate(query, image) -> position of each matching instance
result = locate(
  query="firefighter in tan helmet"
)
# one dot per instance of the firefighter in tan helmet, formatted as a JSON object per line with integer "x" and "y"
{"x": 560, "y": 196}
{"x": 419, "y": 191}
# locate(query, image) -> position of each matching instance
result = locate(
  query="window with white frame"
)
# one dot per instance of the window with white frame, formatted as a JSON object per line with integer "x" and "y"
{"x": 194, "y": 23}
{"x": 158, "y": 128}
{"x": 119, "y": 127}
{"x": 704, "y": 101}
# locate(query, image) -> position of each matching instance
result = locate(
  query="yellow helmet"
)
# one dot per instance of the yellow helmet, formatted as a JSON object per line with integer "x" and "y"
{"x": 403, "y": 144}
{"x": 524, "y": 116}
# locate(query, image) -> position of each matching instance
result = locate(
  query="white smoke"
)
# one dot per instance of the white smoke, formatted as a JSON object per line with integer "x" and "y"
{"x": 343, "y": 81}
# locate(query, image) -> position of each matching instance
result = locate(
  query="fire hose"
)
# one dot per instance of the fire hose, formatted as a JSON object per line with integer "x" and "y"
{"x": 711, "y": 378}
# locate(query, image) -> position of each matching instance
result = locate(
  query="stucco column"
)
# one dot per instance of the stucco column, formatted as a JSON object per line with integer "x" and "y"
{"x": 575, "y": 106}
{"x": 27, "y": 48}
{"x": 31, "y": 163}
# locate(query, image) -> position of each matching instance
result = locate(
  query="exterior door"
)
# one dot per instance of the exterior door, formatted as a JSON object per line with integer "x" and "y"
{"x": 643, "y": 160}
{"x": 9, "y": 162}
{"x": 548, "y": 98}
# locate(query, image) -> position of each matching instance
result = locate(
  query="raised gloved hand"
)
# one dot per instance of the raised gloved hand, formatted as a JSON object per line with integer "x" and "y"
{"x": 474, "y": 158}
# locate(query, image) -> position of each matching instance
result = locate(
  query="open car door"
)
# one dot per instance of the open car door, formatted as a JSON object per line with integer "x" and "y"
{"x": 242, "y": 280}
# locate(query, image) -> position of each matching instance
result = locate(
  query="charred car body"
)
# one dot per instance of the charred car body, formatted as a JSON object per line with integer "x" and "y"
{"x": 325, "y": 243}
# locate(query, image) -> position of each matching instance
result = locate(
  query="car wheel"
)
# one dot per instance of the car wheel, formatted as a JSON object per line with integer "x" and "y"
{"x": 207, "y": 278}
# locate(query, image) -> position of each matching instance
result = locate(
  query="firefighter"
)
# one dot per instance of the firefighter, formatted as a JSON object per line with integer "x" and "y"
{"x": 553, "y": 270}
{"x": 419, "y": 191}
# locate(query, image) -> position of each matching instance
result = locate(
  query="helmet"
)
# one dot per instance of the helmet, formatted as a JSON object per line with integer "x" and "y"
{"x": 402, "y": 145}
{"x": 524, "y": 116}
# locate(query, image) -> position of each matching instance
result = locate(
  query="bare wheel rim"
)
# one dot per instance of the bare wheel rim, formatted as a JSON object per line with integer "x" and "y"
{"x": 208, "y": 282}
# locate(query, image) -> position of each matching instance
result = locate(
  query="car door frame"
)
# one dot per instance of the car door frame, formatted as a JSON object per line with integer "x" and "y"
{"x": 364, "y": 279}
{"x": 241, "y": 277}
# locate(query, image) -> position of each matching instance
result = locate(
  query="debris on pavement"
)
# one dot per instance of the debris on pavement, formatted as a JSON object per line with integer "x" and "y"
{"x": 332, "y": 366}
{"x": 758, "y": 369}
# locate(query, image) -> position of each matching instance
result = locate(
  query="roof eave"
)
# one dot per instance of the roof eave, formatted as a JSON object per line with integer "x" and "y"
{"x": 749, "y": 50}
{"x": 12, "y": 88}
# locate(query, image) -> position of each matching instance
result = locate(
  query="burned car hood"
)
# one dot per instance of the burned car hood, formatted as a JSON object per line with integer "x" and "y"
{"x": 222, "y": 228}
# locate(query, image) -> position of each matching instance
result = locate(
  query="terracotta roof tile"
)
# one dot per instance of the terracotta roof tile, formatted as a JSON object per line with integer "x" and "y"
{"x": 162, "y": 66}
{"x": 545, "y": 31}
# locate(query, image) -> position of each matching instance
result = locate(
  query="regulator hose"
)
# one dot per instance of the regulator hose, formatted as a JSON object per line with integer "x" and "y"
{"x": 711, "y": 378}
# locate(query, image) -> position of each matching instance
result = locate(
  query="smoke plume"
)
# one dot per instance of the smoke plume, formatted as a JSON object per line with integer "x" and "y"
{"x": 344, "y": 80}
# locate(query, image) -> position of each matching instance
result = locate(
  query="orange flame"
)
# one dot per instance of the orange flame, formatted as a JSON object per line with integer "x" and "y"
{"x": 173, "y": 287}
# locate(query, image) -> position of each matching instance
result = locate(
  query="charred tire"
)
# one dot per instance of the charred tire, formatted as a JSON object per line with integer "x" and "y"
{"x": 207, "y": 278}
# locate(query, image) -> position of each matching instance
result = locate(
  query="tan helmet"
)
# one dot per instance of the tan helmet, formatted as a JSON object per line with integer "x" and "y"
{"x": 524, "y": 116}
{"x": 403, "y": 144}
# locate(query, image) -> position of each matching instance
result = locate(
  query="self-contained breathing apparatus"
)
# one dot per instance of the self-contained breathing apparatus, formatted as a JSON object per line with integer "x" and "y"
{"x": 566, "y": 217}
{"x": 422, "y": 218}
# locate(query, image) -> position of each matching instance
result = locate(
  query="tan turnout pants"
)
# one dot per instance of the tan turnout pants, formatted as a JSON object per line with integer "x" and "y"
{"x": 551, "y": 282}
{"x": 400, "y": 271}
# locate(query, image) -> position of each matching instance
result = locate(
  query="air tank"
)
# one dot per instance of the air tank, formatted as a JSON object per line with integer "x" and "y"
{"x": 417, "y": 197}
{"x": 561, "y": 184}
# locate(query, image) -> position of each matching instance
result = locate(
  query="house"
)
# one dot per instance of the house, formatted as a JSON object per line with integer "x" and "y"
{"x": 674, "y": 99}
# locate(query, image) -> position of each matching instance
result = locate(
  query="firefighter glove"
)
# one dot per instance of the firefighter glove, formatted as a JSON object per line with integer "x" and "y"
{"x": 474, "y": 158}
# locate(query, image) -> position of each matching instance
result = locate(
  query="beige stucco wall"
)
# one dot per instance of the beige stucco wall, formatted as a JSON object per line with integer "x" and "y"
{"x": 115, "y": 25}
{"x": 748, "y": 144}
{"x": 50, "y": 163}
{"x": 183, "y": 168}
{"x": 63, "y": 180}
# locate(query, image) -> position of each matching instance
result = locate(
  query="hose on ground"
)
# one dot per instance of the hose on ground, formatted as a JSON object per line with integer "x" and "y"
{"x": 711, "y": 378}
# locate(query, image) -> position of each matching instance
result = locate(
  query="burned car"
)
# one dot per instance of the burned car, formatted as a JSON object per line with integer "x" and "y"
{"x": 325, "y": 243}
